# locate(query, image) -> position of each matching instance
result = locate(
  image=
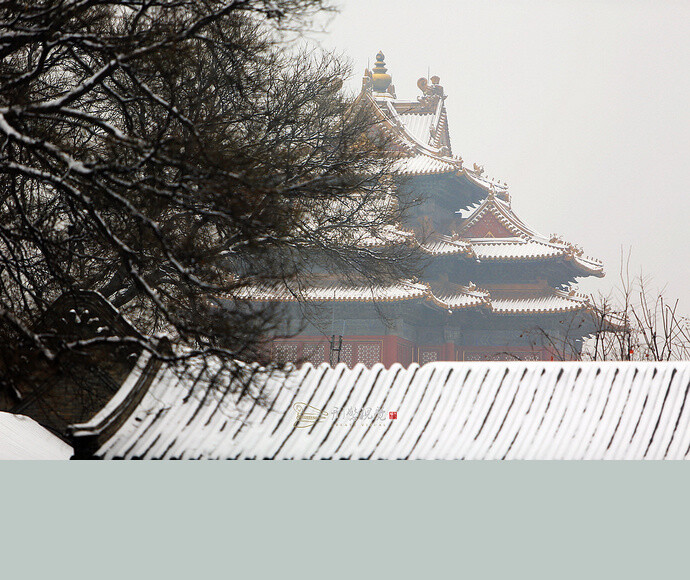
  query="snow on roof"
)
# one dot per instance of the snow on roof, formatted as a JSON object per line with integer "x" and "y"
{"x": 477, "y": 177}
{"x": 336, "y": 291}
{"x": 527, "y": 243}
{"x": 446, "y": 245}
{"x": 422, "y": 133}
{"x": 463, "y": 298}
{"x": 513, "y": 249}
{"x": 387, "y": 235}
{"x": 500, "y": 301}
{"x": 491, "y": 410}
{"x": 419, "y": 125}
{"x": 23, "y": 438}
{"x": 548, "y": 300}
{"x": 592, "y": 264}
{"x": 498, "y": 249}
{"x": 423, "y": 164}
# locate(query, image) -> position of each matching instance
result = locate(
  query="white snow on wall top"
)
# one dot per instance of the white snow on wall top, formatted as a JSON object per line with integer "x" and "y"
{"x": 516, "y": 410}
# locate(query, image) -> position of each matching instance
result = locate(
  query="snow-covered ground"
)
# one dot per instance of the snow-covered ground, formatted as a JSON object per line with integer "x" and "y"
{"x": 23, "y": 438}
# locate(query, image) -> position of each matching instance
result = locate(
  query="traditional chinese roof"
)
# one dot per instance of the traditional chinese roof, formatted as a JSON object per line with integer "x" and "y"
{"x": 418, "y": 129}
{"x": 499, "y": 249}
{"x": 501, "y": 212}
{"x": 336, "y": 291}
{"x": 494, "y": 410}
{"x": 419, "y": 133}
{"x": 512, "y": 239}
{"x": 440, "y": 245}
{"x": 516, "y": 249}
{"x": 423, "y": 164}
{"x": 520, "y": 300}
{"x": 510, "y": 249}
{"x": 536, "y": 301}
{"x": 462, "y": 297}
{"x": 388, "y": 235}
{"x": 511, "y": 301}
{"x": 487, "y": 230}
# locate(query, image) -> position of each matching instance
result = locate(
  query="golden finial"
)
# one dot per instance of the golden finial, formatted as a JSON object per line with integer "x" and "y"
{"x": 381, "y": 80}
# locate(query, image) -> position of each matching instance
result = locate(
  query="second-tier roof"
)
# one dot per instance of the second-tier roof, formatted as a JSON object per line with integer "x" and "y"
{"x": 520, "y": 299}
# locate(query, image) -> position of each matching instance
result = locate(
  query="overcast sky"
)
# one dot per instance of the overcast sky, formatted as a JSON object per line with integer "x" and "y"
{"x": 582, "y": 107}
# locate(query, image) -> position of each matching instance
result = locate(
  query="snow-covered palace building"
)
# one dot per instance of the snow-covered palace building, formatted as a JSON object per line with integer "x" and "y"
{"x": 494, "y": 289}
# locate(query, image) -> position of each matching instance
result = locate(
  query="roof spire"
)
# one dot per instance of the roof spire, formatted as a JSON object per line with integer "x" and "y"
{"x": 381, "y": 80}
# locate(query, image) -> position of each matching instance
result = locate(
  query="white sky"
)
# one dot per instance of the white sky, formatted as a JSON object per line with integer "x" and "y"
{"x": 582, "y": 107}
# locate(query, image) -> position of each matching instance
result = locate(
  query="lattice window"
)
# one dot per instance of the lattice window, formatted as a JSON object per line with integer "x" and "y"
{"x": 347, "y": 354}
{"x": 369, "y": 354}
{"x": 487, "y": 356}
{"x": 314, "y": 352}
{"x": 427, "y": 356}
{"x": 530, "y": 356}
{"x": 502, "y": 356}
{"x": 284, "y": 352}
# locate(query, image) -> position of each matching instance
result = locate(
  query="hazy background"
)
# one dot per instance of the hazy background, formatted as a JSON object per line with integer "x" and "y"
{"x": 581, "y": 107}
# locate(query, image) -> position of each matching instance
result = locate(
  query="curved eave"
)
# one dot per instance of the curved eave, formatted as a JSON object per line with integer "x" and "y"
{"x": 475, "y": 250}
{"x": 460, "y": 301}
{"x": 556, "y": 302}
{"x": 540, "y": 302}
{"x": 550, "y": 303}
{"x": 447, "y": 248}
{"x": 398, "y": 293}
{"x": 486, "y": 184}
{"x": 537, "y": 258}
{"x": 536, "y": 310}
{"x": 506, "y": 251}
{"x": 513, "y": 223}
{"x": 590, "y": 267}
{"x": 424, "y": 164}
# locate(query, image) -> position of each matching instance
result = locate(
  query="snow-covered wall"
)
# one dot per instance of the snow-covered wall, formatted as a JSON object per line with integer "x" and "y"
{"x": 515, "y": 410}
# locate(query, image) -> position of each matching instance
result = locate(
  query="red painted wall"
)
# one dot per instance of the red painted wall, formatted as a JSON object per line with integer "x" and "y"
{"x": 488, "y": 226}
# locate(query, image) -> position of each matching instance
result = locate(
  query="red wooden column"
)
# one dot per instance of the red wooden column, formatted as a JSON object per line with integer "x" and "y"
{"x": 390, "y": 350}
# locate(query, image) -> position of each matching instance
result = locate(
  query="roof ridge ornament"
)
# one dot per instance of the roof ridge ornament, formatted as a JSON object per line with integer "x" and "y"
{"x": 432, "y": 91}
